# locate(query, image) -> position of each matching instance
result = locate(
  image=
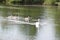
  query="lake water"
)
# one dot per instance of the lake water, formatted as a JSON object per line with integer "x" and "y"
{"x": 49, "y": 28}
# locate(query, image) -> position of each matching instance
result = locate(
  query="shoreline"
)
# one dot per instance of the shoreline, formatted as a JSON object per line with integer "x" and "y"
{"x": 19, "y": 6}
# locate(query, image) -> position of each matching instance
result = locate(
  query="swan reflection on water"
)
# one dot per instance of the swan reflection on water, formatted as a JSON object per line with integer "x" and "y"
{"x": 16, "y": 20}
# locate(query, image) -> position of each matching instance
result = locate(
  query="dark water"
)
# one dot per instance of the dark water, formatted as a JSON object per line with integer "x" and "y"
{"x": 48, "y": 30}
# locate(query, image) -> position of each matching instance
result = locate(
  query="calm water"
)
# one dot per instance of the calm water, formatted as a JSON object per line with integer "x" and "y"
{"x": 49, "y": 24}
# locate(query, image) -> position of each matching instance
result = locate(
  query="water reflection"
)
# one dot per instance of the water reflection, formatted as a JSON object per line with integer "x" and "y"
{"x": 16, "y": 32}
{"x": 57, "y": 24}
{"x": 47, "y": 31}
{"x": 49, "y": 24}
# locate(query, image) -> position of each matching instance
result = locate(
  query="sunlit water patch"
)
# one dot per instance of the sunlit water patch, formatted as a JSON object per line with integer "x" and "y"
{"x": 47, "y": 30}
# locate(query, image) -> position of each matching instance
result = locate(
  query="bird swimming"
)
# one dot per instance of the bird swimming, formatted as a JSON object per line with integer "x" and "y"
{"x": 37, "y": 24}
{"x": 26, "y": 21}
{"x": 13, "y": 18}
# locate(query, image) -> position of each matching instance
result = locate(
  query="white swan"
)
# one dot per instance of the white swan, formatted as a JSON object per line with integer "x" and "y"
{"x": 37, "y": 24}
{"x": 15, "y": 20}
{"x": 27, "y": 19}
{"x": 12, "y": 17}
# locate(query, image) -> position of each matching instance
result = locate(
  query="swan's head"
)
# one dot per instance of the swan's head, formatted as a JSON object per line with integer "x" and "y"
{"x": 38, "y": 20}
